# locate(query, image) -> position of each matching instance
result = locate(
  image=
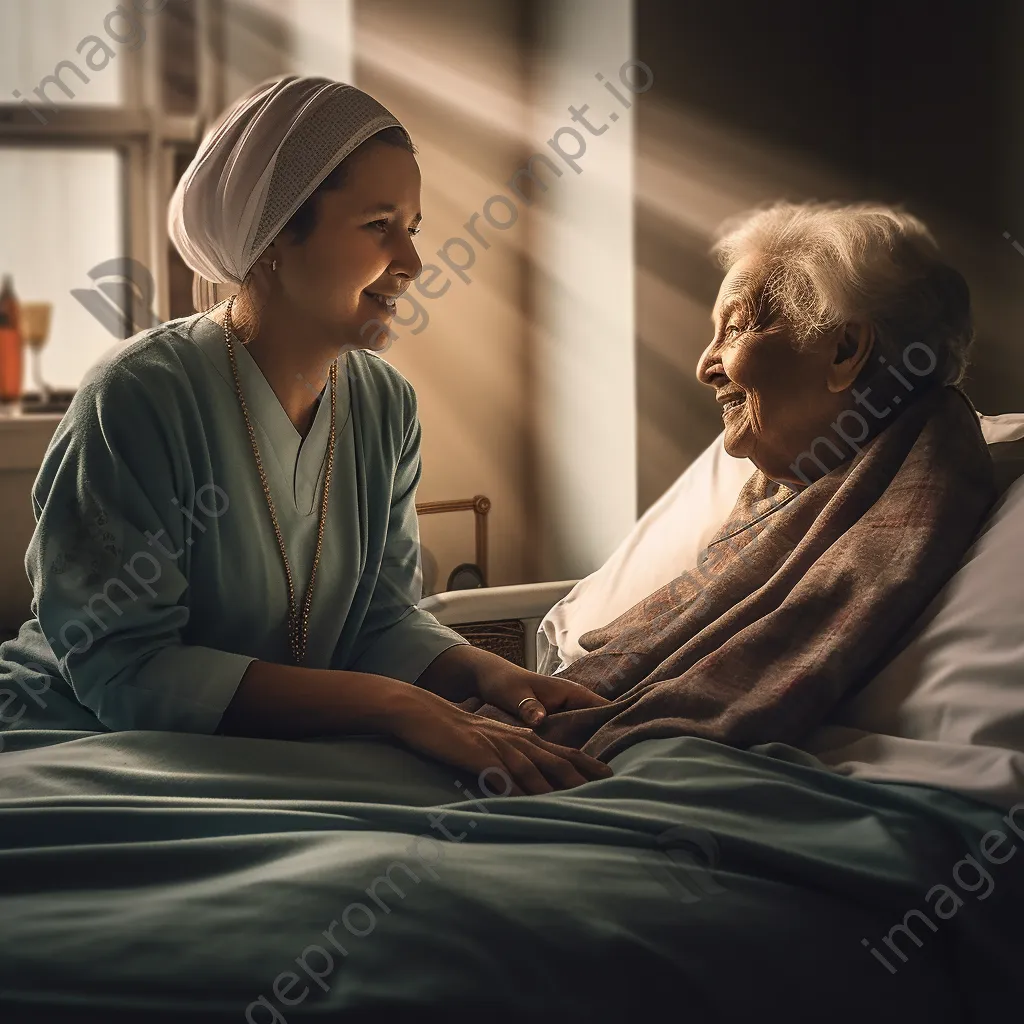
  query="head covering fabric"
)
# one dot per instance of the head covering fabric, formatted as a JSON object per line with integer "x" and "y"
{"x": 257, "y": 165}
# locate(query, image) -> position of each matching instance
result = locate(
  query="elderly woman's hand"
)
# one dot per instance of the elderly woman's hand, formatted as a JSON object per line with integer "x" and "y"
{"x": 464, "y": 671}
{"x": 530, "y": 697}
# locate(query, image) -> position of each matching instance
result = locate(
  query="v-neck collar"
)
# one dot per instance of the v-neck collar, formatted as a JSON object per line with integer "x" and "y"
{"x": 301, "y": 461}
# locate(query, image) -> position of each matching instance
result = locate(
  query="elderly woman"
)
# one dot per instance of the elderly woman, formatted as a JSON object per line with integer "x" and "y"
{"x": 226, "y": 530}
{"x": 840, "y": 338}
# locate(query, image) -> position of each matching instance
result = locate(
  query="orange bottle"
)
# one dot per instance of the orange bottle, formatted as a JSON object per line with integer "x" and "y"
{"x": 10, "y": 343}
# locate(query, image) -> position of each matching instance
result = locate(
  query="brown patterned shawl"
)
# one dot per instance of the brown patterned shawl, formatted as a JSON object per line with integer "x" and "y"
{"x": 800, "y": 597}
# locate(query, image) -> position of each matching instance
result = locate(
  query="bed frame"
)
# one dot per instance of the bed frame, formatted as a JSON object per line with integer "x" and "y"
{"x": 504, "y": 620}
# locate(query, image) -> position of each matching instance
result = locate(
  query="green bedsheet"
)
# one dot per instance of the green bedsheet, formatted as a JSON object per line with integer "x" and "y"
{"x": 152, "y": 876}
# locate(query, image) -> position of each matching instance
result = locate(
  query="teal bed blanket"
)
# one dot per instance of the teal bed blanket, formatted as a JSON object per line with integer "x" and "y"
{"x": 150, "y": 876}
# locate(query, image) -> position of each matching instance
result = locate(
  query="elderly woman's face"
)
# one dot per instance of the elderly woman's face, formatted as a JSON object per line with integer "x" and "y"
{"x": 775, "y": 399}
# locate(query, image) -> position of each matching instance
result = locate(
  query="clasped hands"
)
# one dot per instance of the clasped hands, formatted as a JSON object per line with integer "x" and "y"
{"x": 530, "y": 697}
{"x": 476, "y": 743}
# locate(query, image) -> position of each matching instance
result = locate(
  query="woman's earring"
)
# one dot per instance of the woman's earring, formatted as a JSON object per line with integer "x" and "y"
{"x": 273, "y": 264}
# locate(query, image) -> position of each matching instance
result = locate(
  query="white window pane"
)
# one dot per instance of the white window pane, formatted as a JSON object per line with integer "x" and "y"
{"x": 38, "y": 35}
{"x": 60, "y": 211}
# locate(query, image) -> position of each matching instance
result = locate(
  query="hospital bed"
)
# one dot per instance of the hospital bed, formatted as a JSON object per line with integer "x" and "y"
{"x": 148, "y": 877}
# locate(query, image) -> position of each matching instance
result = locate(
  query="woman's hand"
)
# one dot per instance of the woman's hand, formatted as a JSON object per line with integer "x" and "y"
{"x": 508, "y": 686}
{"x": 439, "y": 729}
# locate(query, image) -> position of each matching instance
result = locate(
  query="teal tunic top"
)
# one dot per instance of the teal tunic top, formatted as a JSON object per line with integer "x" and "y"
{"x": 156, "y": 573}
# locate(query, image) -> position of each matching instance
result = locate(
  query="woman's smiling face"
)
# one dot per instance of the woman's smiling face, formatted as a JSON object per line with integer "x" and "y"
{"x": 776, "y": 398}
{"x": 360, "y": 252}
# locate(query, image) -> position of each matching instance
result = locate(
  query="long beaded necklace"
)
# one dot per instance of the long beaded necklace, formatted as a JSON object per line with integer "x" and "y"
{"x": 298, "y": 629}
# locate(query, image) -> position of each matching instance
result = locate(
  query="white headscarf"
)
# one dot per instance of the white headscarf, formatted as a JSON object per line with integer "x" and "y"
{"x": 257, "y": 165}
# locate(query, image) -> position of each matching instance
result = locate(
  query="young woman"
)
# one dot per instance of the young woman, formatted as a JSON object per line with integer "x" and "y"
{"x": 226, "y": 530}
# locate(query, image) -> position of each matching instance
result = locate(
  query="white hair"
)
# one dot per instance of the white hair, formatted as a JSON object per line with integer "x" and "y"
{"x": 824, "y": 264}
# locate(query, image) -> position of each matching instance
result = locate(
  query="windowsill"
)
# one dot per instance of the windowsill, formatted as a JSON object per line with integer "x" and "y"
{"x": 25, "y": 438}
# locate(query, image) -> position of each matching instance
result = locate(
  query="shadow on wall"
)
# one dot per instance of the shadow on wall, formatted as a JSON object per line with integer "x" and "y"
{"x": 676, "y": 288}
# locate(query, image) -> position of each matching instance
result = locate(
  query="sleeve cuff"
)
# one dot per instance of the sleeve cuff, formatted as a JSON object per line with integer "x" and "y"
{"x": 404, "y": 650}
{"x": 179, "y": 689}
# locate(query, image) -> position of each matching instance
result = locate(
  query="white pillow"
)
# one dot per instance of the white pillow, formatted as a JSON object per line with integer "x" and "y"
{"x": 1004, "y": 427}
{"x": 666, "y": 542}
{"x": 948, "y": 710}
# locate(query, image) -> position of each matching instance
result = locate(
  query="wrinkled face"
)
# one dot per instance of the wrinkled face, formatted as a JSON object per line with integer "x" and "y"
{"x": 360, "y": 253}
{"x": 775, "y": 399}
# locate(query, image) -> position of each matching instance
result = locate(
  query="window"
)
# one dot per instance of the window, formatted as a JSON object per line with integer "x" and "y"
{"x": 101, "y": 107}
{"x": 39, "y": 34}
{"x": 61, "y": 214}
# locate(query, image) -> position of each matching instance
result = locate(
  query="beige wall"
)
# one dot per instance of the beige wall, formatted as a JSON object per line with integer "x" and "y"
{"x": 453, "y": 73}
{"x": 525, "y": 374}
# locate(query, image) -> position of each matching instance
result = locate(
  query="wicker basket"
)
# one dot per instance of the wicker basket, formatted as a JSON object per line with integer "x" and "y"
{"x": 504, "y": 637}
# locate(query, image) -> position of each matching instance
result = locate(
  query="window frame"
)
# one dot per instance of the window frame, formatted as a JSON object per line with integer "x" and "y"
{"x": 144, "y": 135}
